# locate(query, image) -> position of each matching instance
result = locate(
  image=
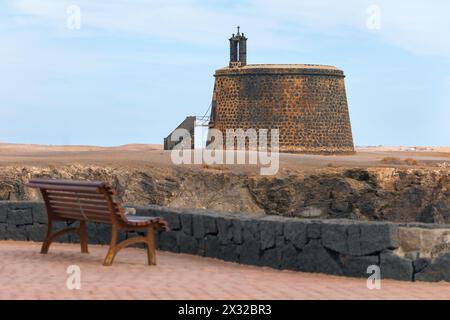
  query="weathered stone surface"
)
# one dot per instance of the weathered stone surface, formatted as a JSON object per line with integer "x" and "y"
{"x": 268, "y": 233}
{"x": 209, "y": 225}
{"x": 186, "y": 243}
{"x": 303, "y": 128}
{"x": 420, "y": 264}
{"x": 186, "y": 223}
{"x": 2, "y": 231}
{"x": 211, "y": 245}
{"x": 36, "y": 232}
{"x": 237, "y": 231}
{"x": 3, "y": 213}
{"x": 271, "y": 258}
{"x": 334, "y": 237}
{"x": 168, "y": 241}
{"x": 171, "y": 217}
{"x": 289, "y": 258}
{"x": 313, "y": 230}
{"x": 375, "y": 237}
{"x": 15, "y": 233}
{"x": 198, "y": 226}
{"x": 39, "y": 213}
{"x": 437, "y": 270}
{"x": 249, "y": 252}
{"x": 229, "y": 252}
{"x": 315, "y": 258}
{"x": 357, "y": 266}
{"x": 224, "y": 230}
{"x": 395, "y": 267}
{"x": 295, "y": 232}
{"x": 20, "y": 216}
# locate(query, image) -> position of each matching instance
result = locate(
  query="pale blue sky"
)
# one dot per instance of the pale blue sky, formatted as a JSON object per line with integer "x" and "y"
{"x": 136, "y": 68}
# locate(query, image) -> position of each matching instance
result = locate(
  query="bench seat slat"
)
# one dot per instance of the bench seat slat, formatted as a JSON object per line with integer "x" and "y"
{"x": 75, "y": 205}
{"x": 77, "y": 196}
{"x": 75, "y": 201}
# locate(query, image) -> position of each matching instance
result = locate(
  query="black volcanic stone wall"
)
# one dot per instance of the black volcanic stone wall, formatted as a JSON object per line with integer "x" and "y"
{"x": 338, "y": 247}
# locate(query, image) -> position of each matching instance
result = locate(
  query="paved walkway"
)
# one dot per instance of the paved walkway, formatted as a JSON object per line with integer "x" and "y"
{"x": 26, "y": 274}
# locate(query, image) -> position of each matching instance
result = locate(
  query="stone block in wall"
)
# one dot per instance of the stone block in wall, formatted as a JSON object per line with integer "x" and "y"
{"x": 237, "y": 231}
{"x": 19, "y": 216}
{"x": 229, "y": 252}
{"x": 353, "y": 240}
{"x": 334, "y": 237}
{"x": 295, "y": 232}
{"x": 395, "y": 267}
{"x": 168, "y": 241}
{"x": 2, "y": 231}
{"x": 269, "y": 231}
{"x": 289, "y": 257}
{"x": 224, "y": 230}
{"x": 211, "y": 246}
{"x": 357, "y": 266}
{"x": 187, "y": 243}
{"x": 198, "y": 226}
{"x": 39, "y": 213}
{"x": 249, "y": 251}
{"x": 14, "y": 232}
{"x": 209, "y": 224}
{"x": 101, "y": 234}
{"x": 420, "y": 264}
{"x": 36, "y": 232}
{"x": 437, "y": 270}
{"x": 315, "y": 258}
{"x": 186, "y": 224}
{"x": 3, "y": 213}
{"x": 314, "y": 230}
{"x": 371, "y": 238}
{"x": 375, "y": 237}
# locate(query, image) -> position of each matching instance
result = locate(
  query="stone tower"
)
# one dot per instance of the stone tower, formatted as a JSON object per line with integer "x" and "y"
{"x": 238, "y": 50}
{"x": 307, "y": 103}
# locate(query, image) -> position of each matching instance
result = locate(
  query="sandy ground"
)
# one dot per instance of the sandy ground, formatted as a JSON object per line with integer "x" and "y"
{"x": 27, "y": 274}
{"x": 153, "y": 155}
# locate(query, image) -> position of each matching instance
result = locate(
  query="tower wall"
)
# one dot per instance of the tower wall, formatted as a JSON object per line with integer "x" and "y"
{"x": 307, "y": 103}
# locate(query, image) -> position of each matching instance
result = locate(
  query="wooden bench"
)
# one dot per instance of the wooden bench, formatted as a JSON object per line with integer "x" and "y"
{"x": 93, "y": 201}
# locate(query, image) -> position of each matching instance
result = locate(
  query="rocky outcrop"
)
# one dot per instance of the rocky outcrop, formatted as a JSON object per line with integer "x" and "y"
{"x": 375, "y": 194}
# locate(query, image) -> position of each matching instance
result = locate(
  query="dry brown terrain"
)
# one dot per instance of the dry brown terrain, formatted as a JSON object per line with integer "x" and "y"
{"x": 153, "y": 155}
{"x": 376, "y": 183}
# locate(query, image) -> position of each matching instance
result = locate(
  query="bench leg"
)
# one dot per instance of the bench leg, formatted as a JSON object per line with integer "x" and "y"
{"x": 115, "y": 247}
{"x": 48, "y": 238}
{"x": 112, "y": 247}
{"x": 151, "y": 249}
{"x": 83, "y": 237}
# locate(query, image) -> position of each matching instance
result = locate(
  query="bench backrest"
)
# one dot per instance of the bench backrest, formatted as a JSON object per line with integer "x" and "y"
{"x": 78, "y": 200}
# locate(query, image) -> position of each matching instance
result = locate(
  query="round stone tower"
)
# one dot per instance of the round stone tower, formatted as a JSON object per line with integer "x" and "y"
{"x": 307, "y": 103}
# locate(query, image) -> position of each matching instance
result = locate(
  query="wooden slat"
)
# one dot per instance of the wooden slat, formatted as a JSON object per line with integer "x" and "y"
{"x": 77, "y": 196}
{"x": 74, "y": 204}
{"x": 50, "y": 187}
{"x": 76, "y": 208}
{"x": 83, "y": 183}
{"x": 98, "y": 202}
